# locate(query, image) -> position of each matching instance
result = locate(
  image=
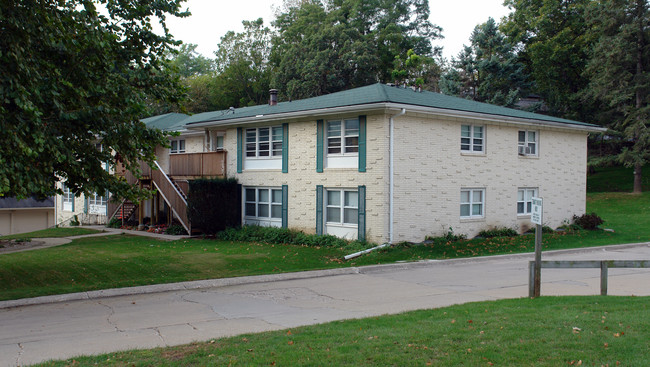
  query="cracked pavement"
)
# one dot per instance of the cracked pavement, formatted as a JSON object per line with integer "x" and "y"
{"x": 36, "y": 333}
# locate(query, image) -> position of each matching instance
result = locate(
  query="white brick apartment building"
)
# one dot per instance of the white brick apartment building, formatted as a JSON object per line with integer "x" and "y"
{"x": 390, "y": 164}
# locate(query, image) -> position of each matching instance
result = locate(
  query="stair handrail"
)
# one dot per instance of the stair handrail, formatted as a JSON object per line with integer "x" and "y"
{"x": 171, "y": 184}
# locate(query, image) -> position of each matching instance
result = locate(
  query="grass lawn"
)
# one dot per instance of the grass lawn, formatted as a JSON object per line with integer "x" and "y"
{"x": 548, "y": 331}
{"x": 52, "y": 232}
{"x": 616, "y": 179}
{"x": 123, "y": 261}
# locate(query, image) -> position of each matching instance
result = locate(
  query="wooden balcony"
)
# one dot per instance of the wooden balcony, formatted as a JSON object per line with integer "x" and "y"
{"x": 204, "y": 164}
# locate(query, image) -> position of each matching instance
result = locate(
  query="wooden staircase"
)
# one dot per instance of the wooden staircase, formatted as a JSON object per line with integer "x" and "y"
{"x": 171, "y": 192}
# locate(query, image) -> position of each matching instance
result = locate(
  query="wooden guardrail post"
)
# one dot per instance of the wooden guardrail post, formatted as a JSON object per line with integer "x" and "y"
{"x": 603, "y": 278}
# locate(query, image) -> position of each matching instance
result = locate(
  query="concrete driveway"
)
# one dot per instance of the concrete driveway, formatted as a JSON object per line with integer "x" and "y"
{"x": 35, "y": 333}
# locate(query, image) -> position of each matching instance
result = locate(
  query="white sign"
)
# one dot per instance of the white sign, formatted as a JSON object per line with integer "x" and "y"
{"x": 536, "y": 215}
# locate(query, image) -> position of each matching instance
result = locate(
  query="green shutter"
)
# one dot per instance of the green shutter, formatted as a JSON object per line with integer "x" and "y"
{"x": 362, "y": 143}
{"x": 86, "y": 204}
{"x": 285, "y": 204}
{"x": 319, "y": 209}
{"x": 285, "y": 148}
{"x": 240, "y": 144}
{"x": 361, "y": 229}
{"x": 320, "y": 136}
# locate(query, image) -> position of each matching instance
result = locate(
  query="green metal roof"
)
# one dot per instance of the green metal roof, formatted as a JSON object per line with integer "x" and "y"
{"x": 166, "y": 122}
{"x": 373, "y": 94}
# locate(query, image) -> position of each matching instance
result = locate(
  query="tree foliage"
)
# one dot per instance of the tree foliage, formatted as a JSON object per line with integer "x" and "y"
{"x": 488, "y": 70}
{"x": 327, "y": 46}
{"x": 71, "y": 78}
{"x": 619, "y": 73}
{"x": 555, "y": 43}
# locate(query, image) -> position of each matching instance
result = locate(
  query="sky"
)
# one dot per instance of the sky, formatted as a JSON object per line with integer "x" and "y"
{"x": 211, "y": 19}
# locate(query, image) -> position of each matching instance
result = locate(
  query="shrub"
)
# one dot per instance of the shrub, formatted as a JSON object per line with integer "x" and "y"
{"x": 275, "y": 235}
{"x": 587, "y": 221}
{"x": 498, "y": 232}
{"x": 175, "y": 229}
{"x": 114, "y": 223}
{"x": 450, "y": 236}
{"x": 214, "y": 204}
{"x": 74, "y": 221}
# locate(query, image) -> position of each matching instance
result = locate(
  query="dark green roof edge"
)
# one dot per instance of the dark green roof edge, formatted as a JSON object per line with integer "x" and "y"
{"x": 373, "y": 94}
{"x": 166, "y": 122}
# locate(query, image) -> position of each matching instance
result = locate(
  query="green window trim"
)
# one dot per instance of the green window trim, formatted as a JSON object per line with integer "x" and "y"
{"x": 285, "y": 148}
{"x": 319, "y": 210}
{"x": 239, "y": 149}
{"x": 362, "y": 143}
{"x": 320, "y": 148}
{"x": 285, "y": 205}
{"x": 361, "y": 227}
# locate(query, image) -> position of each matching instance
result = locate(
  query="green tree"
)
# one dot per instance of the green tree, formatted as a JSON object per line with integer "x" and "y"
{"x": 327, "y": 46}
{"x": 187, "y": 62}
{"x": 71, "y": 78}
{"x": 488, "y": 70}
{"x": 243, "y": 66}
{"x": 555, "y": 41}
{"x": 619, "y": 73}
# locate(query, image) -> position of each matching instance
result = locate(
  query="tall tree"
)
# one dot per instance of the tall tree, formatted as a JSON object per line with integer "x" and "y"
{"x": 243, "y": 67}
{"x": 555, "y": 43}
{"x": 330, "y": 45}
{"x": 71, "y": 78}
{"x": 619, "y": 73}
{"x": 489, "y": 69}
{"x": 187, "y": 62}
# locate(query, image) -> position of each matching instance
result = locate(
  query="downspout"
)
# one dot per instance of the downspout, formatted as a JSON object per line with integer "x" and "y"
{"x": 391, "y": 172}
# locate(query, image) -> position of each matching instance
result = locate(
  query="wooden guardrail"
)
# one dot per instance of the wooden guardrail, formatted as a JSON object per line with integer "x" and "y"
{"x": 204, "y": 164}
{"x": 603, "y": 265}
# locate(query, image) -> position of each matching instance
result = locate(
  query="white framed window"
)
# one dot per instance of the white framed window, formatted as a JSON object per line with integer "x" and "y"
{"x": 525, "y": 197}
{"x": 343, "y": 137}
{"x": 472, "y": 203}
{"x": 263, "y": 203}
{"x": 342, "y": 207}
{"x": 527, "y": 143}
{"x": 97, "y": 204}
{"x": 177, "y": 146}
{"x": 472, "y": 139}
{"x": 68, "y": 199}
{"x": 264, "y": 142}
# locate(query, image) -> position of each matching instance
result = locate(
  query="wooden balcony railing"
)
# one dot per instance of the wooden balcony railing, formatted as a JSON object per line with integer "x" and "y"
{"x": 130, "y": 178}
{"x": 205, "y": 164}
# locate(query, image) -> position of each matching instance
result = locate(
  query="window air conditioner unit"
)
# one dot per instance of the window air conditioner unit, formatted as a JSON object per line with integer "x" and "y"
{"x": 521, "y": 150}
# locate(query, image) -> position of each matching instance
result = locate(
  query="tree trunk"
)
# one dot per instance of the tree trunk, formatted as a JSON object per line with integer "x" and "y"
{"x": 637, "y": 179}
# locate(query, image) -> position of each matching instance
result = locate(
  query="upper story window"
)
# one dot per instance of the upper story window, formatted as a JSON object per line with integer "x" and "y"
{"x": 343, "y": 137}
{"x": 177, "y": 146}
{"x": 472, "y": 203}
{"x": 472, "y": 139}
{"x": 525, "y": 200}
{"x": 527, "y": 144}
{"x": 264, "y": 142}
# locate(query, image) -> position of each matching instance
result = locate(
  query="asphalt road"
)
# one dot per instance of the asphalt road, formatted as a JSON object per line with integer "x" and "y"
{"x": 63, "y": 329}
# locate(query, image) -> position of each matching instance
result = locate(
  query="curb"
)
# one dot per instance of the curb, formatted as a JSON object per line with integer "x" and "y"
{"x": 310, "y": 274}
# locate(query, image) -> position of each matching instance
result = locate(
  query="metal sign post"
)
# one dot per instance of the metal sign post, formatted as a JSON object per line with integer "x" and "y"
{"x": 536, "y": 217}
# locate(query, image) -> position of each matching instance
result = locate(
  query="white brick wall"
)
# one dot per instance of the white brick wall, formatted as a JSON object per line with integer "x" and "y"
{"x": 302, "y": 177}
{"x": 430, "y": 171}
{"x": 429, "y": 174}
